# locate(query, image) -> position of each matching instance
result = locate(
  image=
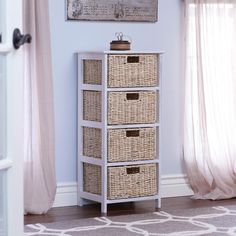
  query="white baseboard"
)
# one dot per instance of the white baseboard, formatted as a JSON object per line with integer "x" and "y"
{"x": 66, "y": 195}
{"x": 175, "y": 186}
{"x": 171, "y": 186}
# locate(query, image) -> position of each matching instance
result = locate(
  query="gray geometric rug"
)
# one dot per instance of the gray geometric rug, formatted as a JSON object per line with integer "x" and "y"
{"x": 214, "y": 221}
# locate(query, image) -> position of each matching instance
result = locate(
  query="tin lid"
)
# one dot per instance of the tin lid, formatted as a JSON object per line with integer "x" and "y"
{"x": 120, "y": 44}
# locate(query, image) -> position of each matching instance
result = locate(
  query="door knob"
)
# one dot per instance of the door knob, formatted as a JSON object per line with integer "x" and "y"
{"x": 20, "y": 39}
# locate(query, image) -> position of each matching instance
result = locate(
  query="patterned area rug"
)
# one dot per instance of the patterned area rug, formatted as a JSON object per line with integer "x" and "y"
{"x": 213, "y": 221}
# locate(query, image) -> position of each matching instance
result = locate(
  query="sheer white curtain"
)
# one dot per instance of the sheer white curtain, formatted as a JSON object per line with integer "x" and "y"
{"x": 210, "y": 98}
{"x": 39, "y": 179}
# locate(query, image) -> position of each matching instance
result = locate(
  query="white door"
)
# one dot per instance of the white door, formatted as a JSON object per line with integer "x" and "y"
{"x": 11, "y": 122}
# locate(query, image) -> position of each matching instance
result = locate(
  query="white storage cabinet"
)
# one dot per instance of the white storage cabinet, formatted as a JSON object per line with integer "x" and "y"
{"x": 119, "y": 131}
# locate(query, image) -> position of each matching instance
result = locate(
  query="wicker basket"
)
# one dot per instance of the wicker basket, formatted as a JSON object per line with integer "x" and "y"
{"x": 123, "y": 181}
{"x": 92, "y": 105}
{"x": 92, "y": 71}
{"x": 92, "y": 142}
{"x": 132, "y": 107}
{"x": 92, "y": 178}
{"x": 123, "y": 107}
{"x": 131, "y": 144}
{"x": 123, "y": 144}
{"x": 133, "y": 70}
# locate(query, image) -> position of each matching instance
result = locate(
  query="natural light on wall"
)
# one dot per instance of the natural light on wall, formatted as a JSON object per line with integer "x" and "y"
{"x": 210, "y": 97}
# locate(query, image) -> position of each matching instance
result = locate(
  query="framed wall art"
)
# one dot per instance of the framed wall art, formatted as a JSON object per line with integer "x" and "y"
{"x": 112, "y": 10}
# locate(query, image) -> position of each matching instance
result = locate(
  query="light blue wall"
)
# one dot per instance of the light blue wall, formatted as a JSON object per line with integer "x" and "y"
{"x": 68, "y": 37}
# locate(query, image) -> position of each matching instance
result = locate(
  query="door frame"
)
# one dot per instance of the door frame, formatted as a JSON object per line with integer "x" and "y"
{"x": 15, "y": 120}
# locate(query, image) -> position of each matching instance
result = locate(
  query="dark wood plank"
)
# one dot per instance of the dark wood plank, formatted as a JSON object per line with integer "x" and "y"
{"x": 75, "y": 212}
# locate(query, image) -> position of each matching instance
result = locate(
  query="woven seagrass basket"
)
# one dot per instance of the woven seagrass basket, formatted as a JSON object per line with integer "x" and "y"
{"x": 92, "y": 105}
{"x": 133, "y": 70}
{"x": 123, "y": 144}
{"x": 132, "y": 107}
{"x": 92, "y": 142}
{"x": 123, "y": 181}
{"x": 92, "y": 72}
{"x": 123, "y": 107}
{"x": 92, "y": 178}
{"x": 131, "y": 144}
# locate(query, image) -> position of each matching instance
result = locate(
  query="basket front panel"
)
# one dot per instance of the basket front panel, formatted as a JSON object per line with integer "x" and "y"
{"x": 122, "y": 147}
{"x": 143, "y": 72}
{"x": 140, "y": 111}
{"x": 122, "y": 184}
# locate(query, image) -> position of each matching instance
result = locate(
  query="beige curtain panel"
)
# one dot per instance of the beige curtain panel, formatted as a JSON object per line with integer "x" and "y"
{"x": 210, "y": 98}
{"x": 39, "y": 166}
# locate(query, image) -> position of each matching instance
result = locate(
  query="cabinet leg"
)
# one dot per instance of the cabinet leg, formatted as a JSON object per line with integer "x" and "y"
{"x": 158, "y": 203}
{"x": 104, "y": 208}
{"x": 81, "y": 201}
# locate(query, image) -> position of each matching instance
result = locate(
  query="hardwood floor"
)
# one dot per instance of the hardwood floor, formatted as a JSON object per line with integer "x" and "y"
{"x": 75, "y": 212}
